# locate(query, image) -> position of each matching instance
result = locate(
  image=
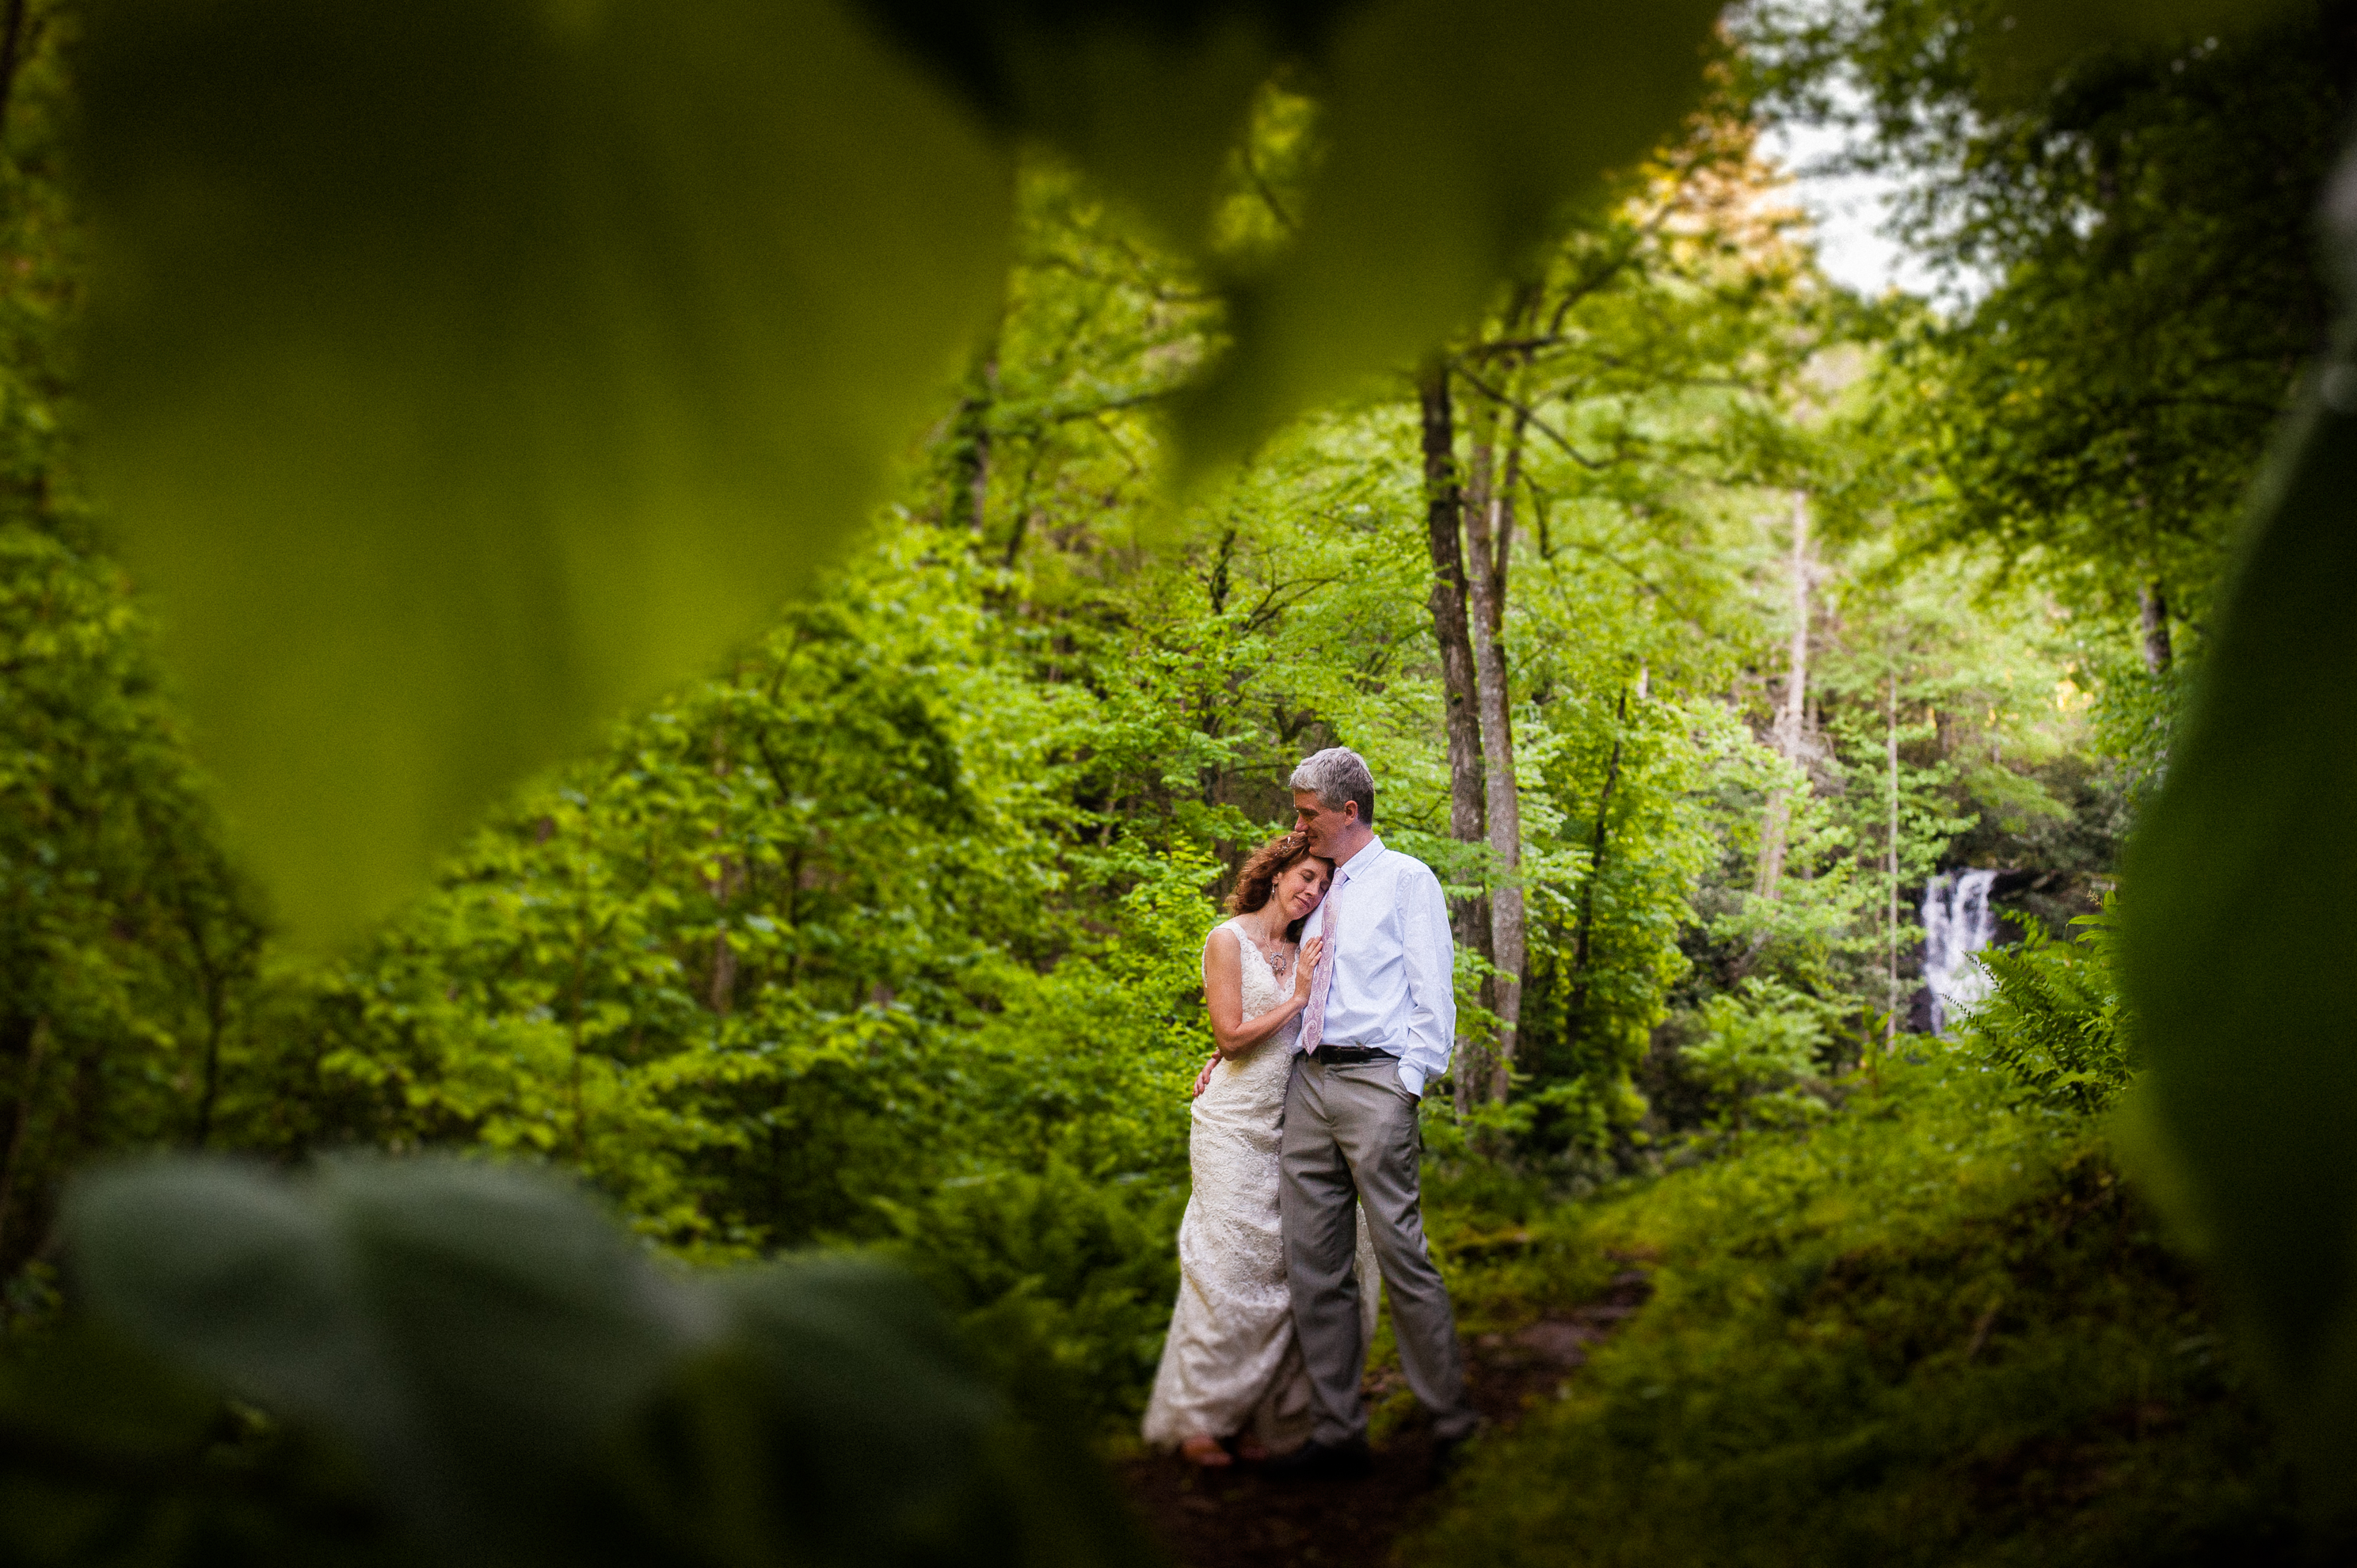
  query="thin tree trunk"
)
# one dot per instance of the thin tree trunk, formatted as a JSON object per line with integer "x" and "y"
{"x": 1487, "y": 536}
{"x": 2152, "y": 607}
{"x": 1444, "y": 508}
{"x": 216, "y": 1025}
{"x": 1792, "y": 718}
{"x": 970, "y": 446}
{"x": 12, "y": 54}
{"x": 727, "y": 877}
{"x": 37, "y": 1046}
{"x": 1599, "y": 840}
{"x": 1890, "y": 1027}
{"x": 213, "y": 984}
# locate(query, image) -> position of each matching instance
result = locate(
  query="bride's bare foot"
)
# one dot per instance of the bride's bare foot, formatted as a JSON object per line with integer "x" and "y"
{"x": 1204, "y": 1449}
{"x": 1251, "y": 1451}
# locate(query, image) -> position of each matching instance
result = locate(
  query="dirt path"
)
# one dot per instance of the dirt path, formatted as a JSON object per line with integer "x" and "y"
{"x": 1239, "y": 1518}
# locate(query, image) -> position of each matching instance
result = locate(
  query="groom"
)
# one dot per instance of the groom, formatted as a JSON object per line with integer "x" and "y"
{"x": 1381, "y": 1018}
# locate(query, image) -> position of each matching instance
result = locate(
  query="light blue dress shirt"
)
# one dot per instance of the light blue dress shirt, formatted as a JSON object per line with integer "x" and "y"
{"x": 1394, "y": 985}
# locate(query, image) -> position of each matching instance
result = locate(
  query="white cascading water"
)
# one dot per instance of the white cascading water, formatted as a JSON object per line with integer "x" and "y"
{"x": 1956, "y": 924}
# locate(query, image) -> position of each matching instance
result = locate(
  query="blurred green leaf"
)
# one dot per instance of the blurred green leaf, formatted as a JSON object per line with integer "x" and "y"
{"x": 1150, "y": 97}
{"x": 521, "y": 1384}
{"x": 2044, "y": 33}
{"x": 106, "y": 1456}
{"x": 1456, "y": 136}
{"x": 466, "y": 372}
{"x": 473, "y": 1333}
{"x": 2240, "y": 928}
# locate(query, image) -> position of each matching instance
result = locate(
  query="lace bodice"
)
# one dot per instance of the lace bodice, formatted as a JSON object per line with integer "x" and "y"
{"x": 1266, "y": 985}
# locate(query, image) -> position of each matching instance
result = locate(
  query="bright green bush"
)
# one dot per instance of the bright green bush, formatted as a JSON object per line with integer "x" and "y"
{"x": 1765, "y": 1039}
{"x": 1056, "y": 1279}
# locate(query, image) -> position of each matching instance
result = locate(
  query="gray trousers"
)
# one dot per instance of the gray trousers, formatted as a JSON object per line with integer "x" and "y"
{"x": 1351, "y": 1137}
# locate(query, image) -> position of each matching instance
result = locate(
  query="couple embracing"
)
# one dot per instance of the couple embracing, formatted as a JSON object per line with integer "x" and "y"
{"x": 1331, "y": 999}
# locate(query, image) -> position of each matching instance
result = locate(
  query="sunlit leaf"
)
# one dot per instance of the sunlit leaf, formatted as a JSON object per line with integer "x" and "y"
{"x": 466, "y": 372}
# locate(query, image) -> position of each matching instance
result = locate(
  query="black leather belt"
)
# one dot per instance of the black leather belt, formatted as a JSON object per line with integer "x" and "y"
{"x": 1335, "y": 1054}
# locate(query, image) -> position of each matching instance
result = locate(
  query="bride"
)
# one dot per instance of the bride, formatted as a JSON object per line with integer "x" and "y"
{"x": 1230, "y": 1368}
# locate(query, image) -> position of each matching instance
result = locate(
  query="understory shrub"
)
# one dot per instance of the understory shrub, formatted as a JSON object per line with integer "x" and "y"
{"x": 1058, "y": 1281}
{"x": 1934, "y": 1328}
{"x": 2054, "y": 1022}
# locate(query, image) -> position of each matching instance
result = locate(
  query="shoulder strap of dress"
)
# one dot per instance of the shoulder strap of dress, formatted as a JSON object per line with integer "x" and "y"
{"x": 1238, "y": 936}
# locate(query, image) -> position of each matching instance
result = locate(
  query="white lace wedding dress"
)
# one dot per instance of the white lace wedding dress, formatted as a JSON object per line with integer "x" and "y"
{"x": 1231, "y": 1364}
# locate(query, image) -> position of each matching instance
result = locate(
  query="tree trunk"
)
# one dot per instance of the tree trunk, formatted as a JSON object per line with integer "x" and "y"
{"x": 1444, "y": 508}
{"x": 1489, "y": 536}
{"x": 971, "y": 445}
{"x": 35, "y": 1048}
{"x": 2153, "y": 610}
{"x": 1890, "y": 1027}
{"x": 728, "y": 878}
{"x": 1792, "y": 718}
{"x": 12, "y": 54}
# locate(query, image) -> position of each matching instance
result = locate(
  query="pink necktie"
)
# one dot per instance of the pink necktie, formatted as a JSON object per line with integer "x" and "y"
{"x": 1321, "y": 979}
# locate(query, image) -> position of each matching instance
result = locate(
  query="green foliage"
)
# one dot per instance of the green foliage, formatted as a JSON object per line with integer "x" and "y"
{"x": 2054, "y": 1022}
{"x": 512, "y": 1381}
{"x": 1764, "y": 1040}
{"x": 807, "y": 938}
{"x": 1060, "y": 1282}
{"x": 128, "y": 956}
{"x": 2135, "y": 717}
{"x": 2142, "y": 271}
{"x": 1931, "y": 1329}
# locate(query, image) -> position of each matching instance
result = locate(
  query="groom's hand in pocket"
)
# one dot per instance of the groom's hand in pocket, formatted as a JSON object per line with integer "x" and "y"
{"x": 1204, "y": 1078}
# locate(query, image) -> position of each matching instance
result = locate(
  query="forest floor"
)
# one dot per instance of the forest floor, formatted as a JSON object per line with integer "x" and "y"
{"x": 1243, "y": 1518}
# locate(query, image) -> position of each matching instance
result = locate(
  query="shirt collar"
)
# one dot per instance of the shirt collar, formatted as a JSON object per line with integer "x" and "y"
{"x": 1368, "y": 853}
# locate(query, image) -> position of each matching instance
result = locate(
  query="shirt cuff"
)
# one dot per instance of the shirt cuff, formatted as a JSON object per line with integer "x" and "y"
{"x": 1411, "y": 1080}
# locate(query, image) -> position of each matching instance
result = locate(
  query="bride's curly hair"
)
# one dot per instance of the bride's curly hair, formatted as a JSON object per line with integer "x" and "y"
{"x": 1257, "y": 879}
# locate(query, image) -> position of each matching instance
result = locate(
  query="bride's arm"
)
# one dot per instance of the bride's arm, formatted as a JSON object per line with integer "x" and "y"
{"x": 1224, "y": 992}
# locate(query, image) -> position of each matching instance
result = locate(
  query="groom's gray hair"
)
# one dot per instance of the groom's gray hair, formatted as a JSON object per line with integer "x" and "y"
{"x": 1334, "y": 774}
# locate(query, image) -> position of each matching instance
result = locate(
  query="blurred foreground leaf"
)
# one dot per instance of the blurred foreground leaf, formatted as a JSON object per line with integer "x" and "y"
{"x": 2045, "y": 32}
{"x": 1454, "y": 133}
{"x": 2241, "y": 930}
{"x": 466, "y": 372}
{"x": 520, "y": 1383}
{"x": 1456, "y": 136}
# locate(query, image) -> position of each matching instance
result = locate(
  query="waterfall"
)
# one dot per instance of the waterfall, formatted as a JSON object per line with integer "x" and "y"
{"x": 1956, "y": 925}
